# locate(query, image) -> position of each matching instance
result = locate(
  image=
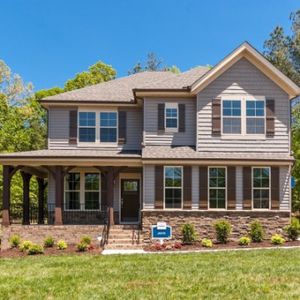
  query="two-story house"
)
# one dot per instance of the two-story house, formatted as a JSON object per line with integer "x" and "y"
{"x": 193, "y": 147}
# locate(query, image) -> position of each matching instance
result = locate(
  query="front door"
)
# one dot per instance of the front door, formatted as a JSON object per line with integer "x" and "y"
{"x": 130, "y": 200}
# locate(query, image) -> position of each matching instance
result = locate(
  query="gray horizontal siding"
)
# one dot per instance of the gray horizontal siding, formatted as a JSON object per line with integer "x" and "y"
{"x": 149, "y": 187}
{"x": 151, "y": 135}
{"x": 195, "y": 187}
{"x": 285, "y": 189}
{"x": 243, "y": 78}
{"x": 239, "y": 188}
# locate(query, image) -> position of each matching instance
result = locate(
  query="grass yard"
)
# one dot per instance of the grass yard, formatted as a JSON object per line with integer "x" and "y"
{"x": 264, "y": 274}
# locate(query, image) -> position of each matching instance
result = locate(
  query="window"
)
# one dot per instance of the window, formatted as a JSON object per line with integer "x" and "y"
{"x": 72, "y": 191}
{"x": 232, "y": 116}
{"x": 82, "y": 191}
{"x": 87, "y": 127}
{"x": 171, "y": 118}
{"x": 255, "y": 112}
{"x": 108, "y": 127}
{"x": 261, "y": 187}
{"x": 173, "y": 187}
{"x": 217, "y": 187}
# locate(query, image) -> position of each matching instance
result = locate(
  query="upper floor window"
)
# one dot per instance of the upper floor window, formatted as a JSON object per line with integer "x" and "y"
{"x": 232, "y": 116}
{"x": 173, "y": 187}
{"x": 261, "y": 188}
{"x": 108, "y": 127}
{"x": 255, "y": 114}
{"x": 171, "y": 113}
{"x": 217, "y": 187}
{"x": 87, "y": 127}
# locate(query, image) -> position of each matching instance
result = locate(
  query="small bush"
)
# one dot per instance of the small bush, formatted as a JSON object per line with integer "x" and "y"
{"x": 15, "y": 241}
{"x": 277, "y": 239}
{"x": 35, "y": 249}
{"x": 244, "y": 241}
{"x": 223, "y": 230}
{"x": 61, "y": 245}
{"x": 207, "y": 243}
{"x": 293, "y": 230}
{"x": 82, "y": 247}
{"x": 188, "y": 233}
{"x": 86, "y": 239}
{"x": 25, "y": 245}
{"x": 256, "y": 231}
{"x": 49, "y": 242}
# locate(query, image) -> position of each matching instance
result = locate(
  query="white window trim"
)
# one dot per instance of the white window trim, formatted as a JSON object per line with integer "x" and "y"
{"x": 233, "y": 117}
{"x": 82, "y": 190}
{"x": 252, "y": 188}
{"x": 181, "y": 188}
{"x": 243, "y": 135}
{"x": 167, "y": 106}
{"x": 79, "y": 126}
{"x": 97, "y": 128}
{"x": 208, "y": 187}
{"x": 255, "y": 117}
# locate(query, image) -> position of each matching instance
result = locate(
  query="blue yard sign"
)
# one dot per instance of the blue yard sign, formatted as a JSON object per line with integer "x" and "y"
{"x": 161, "y": 231}
{"x": 293, "y": 182}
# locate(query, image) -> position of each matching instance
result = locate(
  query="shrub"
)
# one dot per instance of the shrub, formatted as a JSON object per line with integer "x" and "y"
{"x": 277, "y": 239}
{"x": 61, "y": 245}
{"x": 207, "y": 243}
{"x": 244, "y": 241}
{"x": 223, "y": 230}
{"x": 15, "y": 241}
{"x": 49, "y": 242}
{"x": 35, "y": 249}
{"x": 25, "y": 245}
{"x": 188, "y": 233}
{"x": 82, "y": 246}
{"x": 293, "y": 230}
{"x": 86, "y": 239}
{"x": 256, "y": 231}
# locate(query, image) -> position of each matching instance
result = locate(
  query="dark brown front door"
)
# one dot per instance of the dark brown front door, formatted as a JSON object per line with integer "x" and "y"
{"x": 130, "y": 200}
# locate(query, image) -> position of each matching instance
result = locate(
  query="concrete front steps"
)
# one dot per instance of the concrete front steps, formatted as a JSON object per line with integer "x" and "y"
{"x": 124, "y": 237}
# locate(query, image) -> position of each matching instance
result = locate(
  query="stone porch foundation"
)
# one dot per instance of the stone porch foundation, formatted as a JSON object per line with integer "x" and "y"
{"x": 272, "y": 221}
{"x": 37, "y": 233}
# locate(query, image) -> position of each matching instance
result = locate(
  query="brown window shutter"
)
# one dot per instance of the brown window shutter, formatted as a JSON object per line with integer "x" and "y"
{"x": 103, "y": 192}
{"x": 161, "y": 117}
{"x": 73, "y": 127}
{"x": 181, "y": 108}
{"x": 216, "y": 117}
{"x": 159, "y": 187}
{"x": 275, "y": 193}
{"x": 247, "y": 192}
{"x": 122, "y": 127}
{"x": 270, "y": 117}
{"x": 231, "y": 188}
{"x": 187, "y": 187}
{"x": 203, "y": 191}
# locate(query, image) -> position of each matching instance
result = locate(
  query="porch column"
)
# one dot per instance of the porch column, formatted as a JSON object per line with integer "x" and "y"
{"x": 26, "y": 186}
{"x": 6, "y": 195}
{"x": 110, "y": 196}
{"x": 41, "y": 200}
{"x": 59, "y": 194}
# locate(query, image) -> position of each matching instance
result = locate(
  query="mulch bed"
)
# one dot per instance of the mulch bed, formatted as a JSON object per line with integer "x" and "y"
{"x": 14, "y": 252}
{"x": 230, "y": 245}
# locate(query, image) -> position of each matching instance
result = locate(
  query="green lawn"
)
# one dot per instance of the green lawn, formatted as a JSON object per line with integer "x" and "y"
{"x": 264, "y": 274}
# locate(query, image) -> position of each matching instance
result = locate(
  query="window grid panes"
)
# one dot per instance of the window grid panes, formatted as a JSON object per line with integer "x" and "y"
{"x": 217, "y": 187}
{"x": 72, "y": 191}
{"x": 172, "y": 117}
{"x": 92, "y": 191}
{"x": 232, "y": 116}
{"x": 87, "y": 127}
{"x": 173, "y": 187}
{"x": 108, "y": 127}
{"x": 261, "y": 188}
{"x": 255, "y": 116}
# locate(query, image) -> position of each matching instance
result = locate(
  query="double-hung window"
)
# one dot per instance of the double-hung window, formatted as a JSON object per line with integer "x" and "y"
{"x": 92, "y": 190}
{"x": 261, "y": 188}
{"x": 87, "y": 127}
{"x": 217, "y": 187}
{"x": 171, "y": 119}
{"x": 108, "y": 127}
{"x": 255, "y": 116}
{"x": 232, "y": 116}
{"x": 72, "y": 191}
{"x": 173, "y": 187}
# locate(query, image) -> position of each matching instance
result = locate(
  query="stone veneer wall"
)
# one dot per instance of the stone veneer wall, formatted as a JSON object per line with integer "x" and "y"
{"x": 37, "y": 233}
{"x": 273, "y": 222}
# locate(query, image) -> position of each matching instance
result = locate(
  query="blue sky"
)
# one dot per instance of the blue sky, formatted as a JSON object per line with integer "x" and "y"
{"x": 49, "y": 41}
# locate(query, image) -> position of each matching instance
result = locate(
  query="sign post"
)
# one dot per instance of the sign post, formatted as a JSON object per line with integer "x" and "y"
{"x": 161, "y": 231}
